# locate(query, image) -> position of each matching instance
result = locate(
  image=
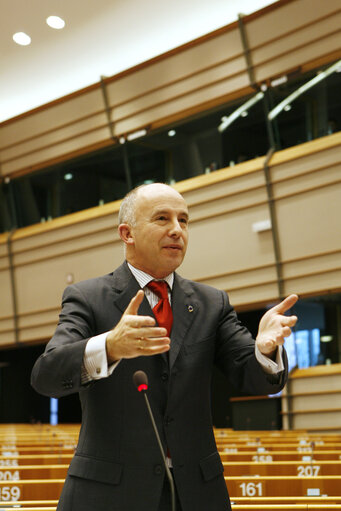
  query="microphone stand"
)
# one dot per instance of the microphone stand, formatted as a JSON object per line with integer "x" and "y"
{"x": 141, "y": 382}
{"x": 168, "y": 472}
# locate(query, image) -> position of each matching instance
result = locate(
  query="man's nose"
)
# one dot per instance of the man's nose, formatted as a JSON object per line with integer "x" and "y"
{"x": 175, "y": 229}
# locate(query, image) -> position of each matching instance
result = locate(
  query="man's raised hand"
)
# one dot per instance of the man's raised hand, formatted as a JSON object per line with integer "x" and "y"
{"x": 135, "y": 335}
{"x": 275, "y": 326}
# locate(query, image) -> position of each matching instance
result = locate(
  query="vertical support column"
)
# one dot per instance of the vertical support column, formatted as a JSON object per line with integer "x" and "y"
{"x": 107, "y": 109}
{"x": 114, "y": 138}
{"x": 252, "y": 79}
{"x": 287, "y": 420}
{"x": 13, "y": 286}
{"x": 338, "y": 330}
{"x": 273, "y": 218}
{"x": 246, "y": 48}
{"x": 11, "y": 203}
{"x": 269, "y": 125}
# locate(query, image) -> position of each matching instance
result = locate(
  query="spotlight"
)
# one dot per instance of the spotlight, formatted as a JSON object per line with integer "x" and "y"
{"x": 22, "y": 39}
{"x": 55, "y": 22}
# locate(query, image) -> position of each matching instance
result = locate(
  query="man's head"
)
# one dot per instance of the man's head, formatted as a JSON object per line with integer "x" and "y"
{"x": 153, "y": 223}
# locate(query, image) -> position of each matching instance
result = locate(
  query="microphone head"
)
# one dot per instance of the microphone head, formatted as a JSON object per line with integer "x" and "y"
{"x": 140, "y": 380}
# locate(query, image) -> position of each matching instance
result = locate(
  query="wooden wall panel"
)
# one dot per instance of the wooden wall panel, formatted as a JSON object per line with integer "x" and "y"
{"x": 41, "y": 283}
{"x": 286, "y": 18}
{"x": 193, "y": 60}
{"x": 53, "y": 151}
{"x": 319, "y": 263}
{"x": 300, "y": 40}
{"x": 6, "y": 303}
{"x": 58, "y": 114}
{"x": 295, "y": 33}
{"x": 293, "y": 60}
{"x": 68, "y": 227}
{"x": 55, "y": 136}
{"x": 310, "y": 219}
{"x": 145, "y": 118}
{"x": 307, "y": 191}
{"x": 226, "y": 243}
{"x": 312, "y": 399}
{"x": 322, "y": 421}
{"x": 315, "y": 283}
{"x": 28, "y": 139}
{"x": 226, "y": 72}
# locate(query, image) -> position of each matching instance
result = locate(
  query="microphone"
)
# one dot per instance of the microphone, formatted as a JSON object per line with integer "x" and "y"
{"x": 140, "y": 380}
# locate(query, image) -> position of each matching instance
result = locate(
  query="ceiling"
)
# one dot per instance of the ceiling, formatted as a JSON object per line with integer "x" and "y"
{"x": 101, "y": 38}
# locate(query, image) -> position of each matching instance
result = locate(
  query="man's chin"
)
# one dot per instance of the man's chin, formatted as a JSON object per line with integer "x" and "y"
{"x": 173, "y": 262}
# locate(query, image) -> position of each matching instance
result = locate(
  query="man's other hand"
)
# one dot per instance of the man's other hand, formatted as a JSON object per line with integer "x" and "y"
{"x": 275, "y": 326}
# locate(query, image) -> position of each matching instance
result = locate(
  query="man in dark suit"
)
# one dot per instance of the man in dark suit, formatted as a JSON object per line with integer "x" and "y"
{"x": 107, "y": 331}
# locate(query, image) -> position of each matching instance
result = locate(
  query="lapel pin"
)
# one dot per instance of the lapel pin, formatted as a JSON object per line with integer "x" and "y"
{"x": 190, "y": 308}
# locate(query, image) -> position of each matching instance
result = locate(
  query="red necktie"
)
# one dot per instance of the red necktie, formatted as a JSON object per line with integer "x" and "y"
{"x": 162, "y": 310}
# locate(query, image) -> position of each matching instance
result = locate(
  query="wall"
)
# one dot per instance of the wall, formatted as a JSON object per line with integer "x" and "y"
{"x": 37, "y": 262}
{"x": 312, "y": 399}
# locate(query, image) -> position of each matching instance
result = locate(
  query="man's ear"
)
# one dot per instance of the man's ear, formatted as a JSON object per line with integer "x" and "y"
{"x": 124, "y": 231}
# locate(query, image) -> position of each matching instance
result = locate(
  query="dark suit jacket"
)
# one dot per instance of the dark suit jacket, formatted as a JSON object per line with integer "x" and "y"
{"x": 117, "y": 465}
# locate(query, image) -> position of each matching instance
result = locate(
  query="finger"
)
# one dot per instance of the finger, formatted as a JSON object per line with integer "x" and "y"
{"x": 289, "y": 321}
{"x": 286, "y": 331}
{"x": 280, "y": 340}
{"x": 153, "y": 351}
{"x": 138, "y": 322}
{"x": 286, "y": 304}
{"x": 267, "y": 346}
{"x": 153, "y": 343}
{"x": 152, "y": 332}
{"x": 152, "y": 347}
{"x": 135, "y": 303}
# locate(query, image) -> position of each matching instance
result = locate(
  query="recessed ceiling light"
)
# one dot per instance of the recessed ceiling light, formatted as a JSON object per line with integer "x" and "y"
{"x": 21, "y": 38}
{"x": 55, "y": 22}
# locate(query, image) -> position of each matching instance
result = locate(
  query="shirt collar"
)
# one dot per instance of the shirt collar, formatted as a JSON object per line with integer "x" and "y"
{"x": 144, "y": 278}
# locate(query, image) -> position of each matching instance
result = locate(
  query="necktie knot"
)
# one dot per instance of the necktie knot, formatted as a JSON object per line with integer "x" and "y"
{"x": 160, "y": 288}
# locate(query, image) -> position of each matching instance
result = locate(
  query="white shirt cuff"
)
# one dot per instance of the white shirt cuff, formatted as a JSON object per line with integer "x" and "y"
{"x": 95, "y": 362}
{"x": 270, "y": 366}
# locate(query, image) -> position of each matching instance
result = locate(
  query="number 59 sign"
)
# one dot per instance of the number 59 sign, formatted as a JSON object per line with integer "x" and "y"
{"x": 9, "y": 493}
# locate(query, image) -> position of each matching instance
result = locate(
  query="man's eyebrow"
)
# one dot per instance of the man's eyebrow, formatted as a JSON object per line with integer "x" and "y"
{"x": 166, "y": 212}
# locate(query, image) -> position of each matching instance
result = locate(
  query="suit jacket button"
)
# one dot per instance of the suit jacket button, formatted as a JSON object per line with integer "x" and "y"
{"x": 158, "y": 469}
{"x": 164, "y": 377}
{"x": 168, "y": 420}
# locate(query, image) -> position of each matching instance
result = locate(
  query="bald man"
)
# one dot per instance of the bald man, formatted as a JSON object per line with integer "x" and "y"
{"x": 111, "y": 327}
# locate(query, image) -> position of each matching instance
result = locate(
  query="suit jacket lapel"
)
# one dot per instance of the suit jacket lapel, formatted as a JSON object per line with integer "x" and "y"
{"x": 185, "y": 309}
{"x": 125, "y": 286}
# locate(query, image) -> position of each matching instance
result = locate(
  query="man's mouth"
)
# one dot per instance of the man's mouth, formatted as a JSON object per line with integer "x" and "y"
{"x": 173, "y": 247}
